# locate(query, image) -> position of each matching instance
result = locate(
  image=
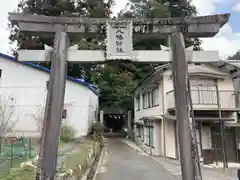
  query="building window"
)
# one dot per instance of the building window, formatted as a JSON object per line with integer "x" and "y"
{"x": 138, "y": 103}
{"x": 155, "y": 97}
{"x": 204, "y": 91}
{"x": 149, "y": 134}
{"x": 151, "y": 98}
{"x": 145, "y": 101}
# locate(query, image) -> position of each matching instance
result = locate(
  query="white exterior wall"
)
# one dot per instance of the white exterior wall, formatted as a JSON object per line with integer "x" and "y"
{"x": 156, "y": 111}
{"x": 156, "y": 150}
{"x": 157, "y": 138}
{"x": 153, "y": 111}
{"x": 225, "y": 86}
{"x": 170, "y": 142}
{"x": 27, "y": 86}
{"x": 166, "y": 85}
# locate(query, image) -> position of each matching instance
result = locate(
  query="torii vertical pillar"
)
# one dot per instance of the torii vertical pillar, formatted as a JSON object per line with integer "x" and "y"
{"x": 129, "y": 124}
{"x": 102, "y": 117}
{"x": 54, "y": 107}
{"x": 180, "y": 79}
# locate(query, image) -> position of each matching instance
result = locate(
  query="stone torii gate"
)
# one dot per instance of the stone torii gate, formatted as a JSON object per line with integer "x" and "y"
{"x": 120, "y": 34}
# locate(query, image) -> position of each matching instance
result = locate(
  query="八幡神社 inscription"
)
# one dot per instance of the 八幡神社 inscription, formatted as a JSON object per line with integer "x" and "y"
{"x": 119, "y": 40}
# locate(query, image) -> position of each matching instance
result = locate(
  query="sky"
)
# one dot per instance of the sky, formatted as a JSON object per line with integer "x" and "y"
{"x": 227, "y": 41}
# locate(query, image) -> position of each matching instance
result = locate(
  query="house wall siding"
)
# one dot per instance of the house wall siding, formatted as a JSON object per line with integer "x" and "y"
{"x": 224, "y": 84}
{"x": 153, "y": 111}
{"x": 165, "y": 132}
{"x": 157, "y": 138}
{"x": 225, "y": 87}
{"x": 170, "y": 139}
{"x": 27, "y": 86}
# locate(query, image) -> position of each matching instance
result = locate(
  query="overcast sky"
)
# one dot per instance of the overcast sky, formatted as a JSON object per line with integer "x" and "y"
{"x": 226, "y": 42}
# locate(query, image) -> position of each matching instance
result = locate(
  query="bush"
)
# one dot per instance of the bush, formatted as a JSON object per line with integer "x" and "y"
{"x": 96, "y": 131}
{"x": 97, "y": 126}
{"x": 67, "y": 133}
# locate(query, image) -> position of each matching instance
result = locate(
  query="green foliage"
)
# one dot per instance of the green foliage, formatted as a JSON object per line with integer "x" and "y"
{"x": 19, "y": 174}
{"x": 80, "y": 157}
{"x": 236, "y": 56}
{"x": 97, "y": 127}
{"x": 67, "y": 133}
{"x": 72, "y": 161}
{"x": 116, "y": 80}
{"x": 156, "y": 9}
{"x": 96, "y": 131}
{"x": 79, "y": 8}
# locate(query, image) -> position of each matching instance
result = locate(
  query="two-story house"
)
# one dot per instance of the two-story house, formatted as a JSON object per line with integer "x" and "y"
{"x": 214, "y": 101}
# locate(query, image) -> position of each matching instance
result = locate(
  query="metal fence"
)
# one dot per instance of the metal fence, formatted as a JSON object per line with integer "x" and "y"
{"x": 15, "y": 150}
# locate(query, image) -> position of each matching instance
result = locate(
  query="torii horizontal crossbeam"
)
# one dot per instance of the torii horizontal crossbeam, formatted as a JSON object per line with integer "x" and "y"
{"x": 201, "y": 26}
{"x": 98, "y": 56}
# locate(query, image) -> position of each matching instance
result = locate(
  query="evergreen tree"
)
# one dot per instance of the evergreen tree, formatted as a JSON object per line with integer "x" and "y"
{"x": 236, "y": 56}
{"x": 73, "y": 8}
{"x": 116, "y": 80}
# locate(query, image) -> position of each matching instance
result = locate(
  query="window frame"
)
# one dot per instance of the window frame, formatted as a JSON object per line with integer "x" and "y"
{"x": 138, "y": 103}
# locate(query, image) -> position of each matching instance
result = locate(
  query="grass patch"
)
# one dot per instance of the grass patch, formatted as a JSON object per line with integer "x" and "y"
{"x": 76, "y": 158}
{"x": 73, "y": 160}
{"x": 16, "y": 172}
{"x": 5, "y": 166}
{"x": 19, "y": 174}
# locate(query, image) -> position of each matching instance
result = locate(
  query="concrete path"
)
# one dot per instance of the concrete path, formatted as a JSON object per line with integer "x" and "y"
{"x": 174, "y": 167}
{"x": 207, "y": 173}
{"x": 124, "y": 163}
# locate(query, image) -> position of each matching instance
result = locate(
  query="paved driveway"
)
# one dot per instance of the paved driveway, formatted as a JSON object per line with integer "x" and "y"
{"x": 124, "y": 163}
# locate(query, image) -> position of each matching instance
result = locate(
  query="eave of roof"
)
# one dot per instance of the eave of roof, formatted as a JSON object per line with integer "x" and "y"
{"x": 227, "y": 66}
{"x": 156, "y": 69}
{"x": 38, "y": 67}
{"x": 232, "y": 68}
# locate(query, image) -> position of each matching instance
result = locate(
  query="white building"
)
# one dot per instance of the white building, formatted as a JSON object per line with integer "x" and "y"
{"x": 23, "y": 88}
{"x": 155, "y": 120}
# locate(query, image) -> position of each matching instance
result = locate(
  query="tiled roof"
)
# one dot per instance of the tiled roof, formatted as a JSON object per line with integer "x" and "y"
{"x": 229, "y": 66}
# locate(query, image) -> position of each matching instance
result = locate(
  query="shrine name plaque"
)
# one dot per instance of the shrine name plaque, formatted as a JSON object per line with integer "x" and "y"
{"x": 119, "y": 40}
